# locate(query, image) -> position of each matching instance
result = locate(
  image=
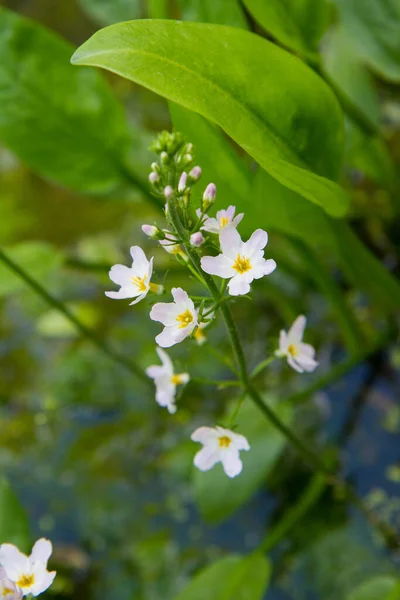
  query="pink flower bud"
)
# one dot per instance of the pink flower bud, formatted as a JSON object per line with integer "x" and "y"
{"x": 150, "y": 230}
{"x": 195, "y": 173}
{"x": 154, "y": 177}
{"x": 197, "y": 239}
{"x": 182, "y": 182}
{"x": 210, "y": 192}
{"x": 168, "y": 192}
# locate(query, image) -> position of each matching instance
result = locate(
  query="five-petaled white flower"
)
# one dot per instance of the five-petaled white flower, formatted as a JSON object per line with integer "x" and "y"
{"x": 179, "y": 318}
{"x": 219, "y": 445}
{"x": 8, "y": 589}
{"x": 166, "y": 381}
{"x": 224, "y": 218}
{"x": 29, "y": 573}
{"x": 134, "y": 281}
{"x": 241, "y": 262}
{"x": 300, "y": 356}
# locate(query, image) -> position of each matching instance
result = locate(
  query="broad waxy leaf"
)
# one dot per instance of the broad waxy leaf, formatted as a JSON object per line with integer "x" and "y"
{"x": 384, "y": 587}
{"x": 13, "y": 520}
{"x": 268, "y": 101}
{"x": 107, "y": 12}
{"x": 38, "y": 259}
{"x": 63, "y": 122}
{"x": 230, "y": 578}
{"x": 217, "y": 496}
{"x": 298, "y": 24}
{"x": 374, "y": 28}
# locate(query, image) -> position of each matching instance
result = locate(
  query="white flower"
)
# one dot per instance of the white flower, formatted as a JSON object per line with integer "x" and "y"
{"x": 178, "y": 317}
{"x": 219, "y": 445}
{"x": 241, "y": 262}
{"x": 8, "y": 589}
{"x": 224, "y": 218}
{"x": 28, "y": 572}
{"x": 300, "y": 356}
{"x": 166, "y": 381}
{"x": 134, "y": 281}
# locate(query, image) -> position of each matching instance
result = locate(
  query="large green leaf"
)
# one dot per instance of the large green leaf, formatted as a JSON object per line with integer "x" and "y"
{"x": 225, "y": 12}
{"x": 374, "y": 28}
{"x": 38, "y": 259}
{"x": 298, "y": 24}
{"x": 383, "y": 587}
{"x": 217, "y": 496}
{"x": 64, "y": 123}
{"x": 230, "y": 578}
{"x": 107, "y": 12}
{"x": 268, "y": 101}
{"x": 13, "y": 520}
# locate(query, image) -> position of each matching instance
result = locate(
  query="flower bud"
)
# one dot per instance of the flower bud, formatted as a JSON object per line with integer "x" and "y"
{"x": 168, "y": 192}
{"x": 150, "y": 230}
{"x": 189, "y": 148}
{"x": 188, "y": 158}
{"x": 164, "y": 157}
{"x": 182, "y": 182}
{"x": 154, "y": 177}
{"x": 195, "y": 173}
{"x": 209, "y": 196}
{"x": 197, "y": 239}
{"x": 154, "y": 166}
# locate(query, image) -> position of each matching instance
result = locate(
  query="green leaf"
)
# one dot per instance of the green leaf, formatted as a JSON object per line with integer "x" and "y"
{"x": 268, "y": 101}
{"x": 37, "y": 258}
{"x": 230, "y": 578}
{"x": 298, "y": 24}
{"x": 280, "y": 209}
{"x": 107, "y": 12}
{"x": 13, "y": 520}
{"x": 383, "y": 587}
{"x": 222, "y": 165}
{"x": 374, "y": 28}
{"x": 218, "y": 496}
{"x": 64, "y": 123}
{"x": 224, "y": 12}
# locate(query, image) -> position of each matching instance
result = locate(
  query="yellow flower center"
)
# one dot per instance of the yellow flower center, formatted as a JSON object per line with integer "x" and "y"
{"x": 7, "y": 591}
{"x": 224, "y": 441}
{"x": 176, "y": 379}
{"x": 140, "y": 283}
{"x": 241, "y": 264}
{"x": 292, "y": 350}
{"x": 185, "y": 318}
{"x": 223, "y": 222}
{"x": 25, "y": 581}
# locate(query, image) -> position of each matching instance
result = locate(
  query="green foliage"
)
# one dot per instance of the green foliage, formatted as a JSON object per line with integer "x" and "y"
{"x": 218, "y": 497}
{"x": 377, "y": 588}
{"x": 13, "y": 520}
{"x": 374, "y": 28}
{"x": 298, "y": 24}
{"x": 64, "y": 123}
{"x": 107, "y": 12}
{"x": 37, "y": 258}
{"x": 230, "y": 578}
{"x": 271, "y": 104}
{"x": 225, "y": 12}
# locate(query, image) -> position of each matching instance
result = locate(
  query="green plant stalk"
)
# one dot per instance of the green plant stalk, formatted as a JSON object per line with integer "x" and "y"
{"x": 262, "y": 365}
{"x": 79, "y": 326}
{"x": 390, "y": 537}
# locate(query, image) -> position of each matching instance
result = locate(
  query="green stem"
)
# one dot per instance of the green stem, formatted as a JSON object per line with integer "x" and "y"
{"x": 262, "y": 365}
{"x": 218, "y": 382}
{"x": 79, "y": 326}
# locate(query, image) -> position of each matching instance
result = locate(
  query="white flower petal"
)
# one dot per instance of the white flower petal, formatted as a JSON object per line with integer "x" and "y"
{"x": 211, "y": 225}
{"x": 206, "y": 458}
{"x": 296, "y": 332}
{"x": 165, "y": 395}
{"x": 257, "y": 241}
{"x": 165, "y": 312}
{"x": 283, "y": 341}
{"x": 167, "y": 338}
{"x": 140, "y": 261}
{"x": 123, "y": 293}
{"x": 139, "y": 298}
{"x": 231, "y": 242}
{"x": 8, "y": 590}
{"x": 204, "y": 435}
{"x": 294, "y": 364}
{"x": 154, "y": 371}
{"x": 306, "y": 363}
{"x": 121, "y": 275}
{"x": 179, "y": 295}
{"x": 42, "y": 583}
{"x": 217, "y": 265}
{"x": 166, "y": 362}
{"x": 13, "y": 561}
{"x": 229, "y": 212}
{"x": 237, "y": 219}
{"x": 41, "y": 551}
{"x": 238, "y": 286}
{"x": 3, "y": 573}
{"x": 240, "y": 441}
{"x": 306, "y": 350}
{"x": 231, "y": 462}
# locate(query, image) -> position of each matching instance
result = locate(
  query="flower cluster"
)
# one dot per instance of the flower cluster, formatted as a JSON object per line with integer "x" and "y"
{"x": 21, "y": 575}
{"x": 208, "y": 246}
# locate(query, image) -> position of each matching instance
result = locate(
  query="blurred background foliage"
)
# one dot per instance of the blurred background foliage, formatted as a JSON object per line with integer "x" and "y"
{"x": 87, "y": 457}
